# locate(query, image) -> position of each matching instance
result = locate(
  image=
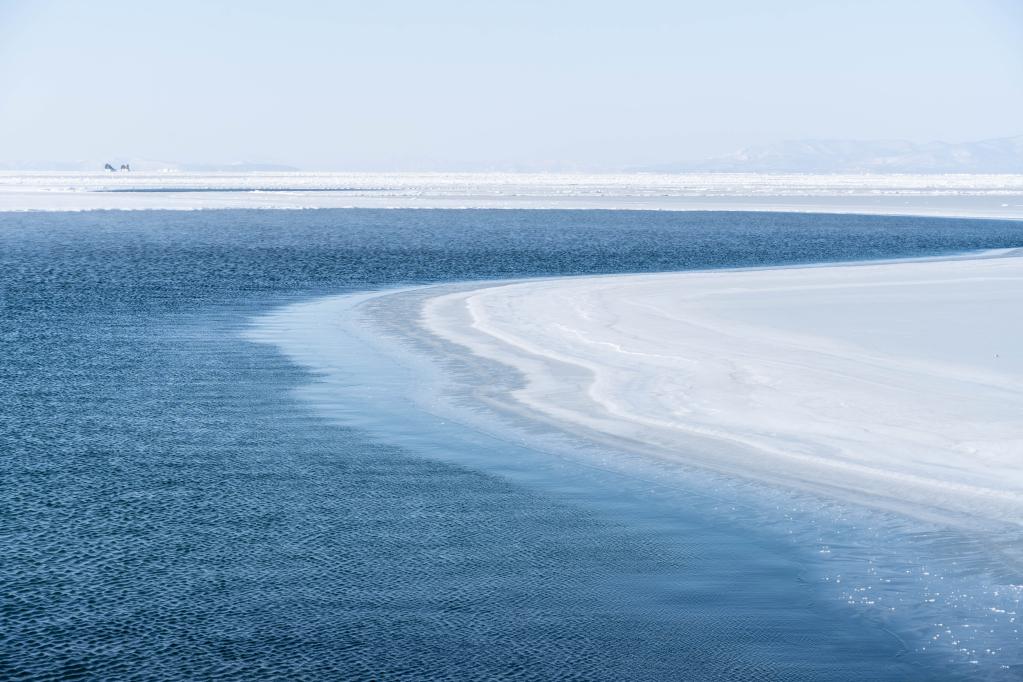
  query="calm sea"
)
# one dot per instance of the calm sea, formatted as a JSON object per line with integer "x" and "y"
{"x": 171, "y": 509}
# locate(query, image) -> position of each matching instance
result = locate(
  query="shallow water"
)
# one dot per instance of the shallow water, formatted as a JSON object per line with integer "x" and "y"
{"x": 948, "y": 598}
{"x": 174, "y": 505}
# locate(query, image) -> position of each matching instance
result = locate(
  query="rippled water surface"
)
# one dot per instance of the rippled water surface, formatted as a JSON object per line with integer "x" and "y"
{"x": 171, "y": 510}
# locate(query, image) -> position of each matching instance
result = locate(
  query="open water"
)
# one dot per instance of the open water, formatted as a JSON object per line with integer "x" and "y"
{"x": 171, "y": 507}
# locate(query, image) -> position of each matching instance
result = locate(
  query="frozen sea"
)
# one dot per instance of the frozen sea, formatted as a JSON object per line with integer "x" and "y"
{"x": 961, "y": 195}
{"x": 184, "y": 498}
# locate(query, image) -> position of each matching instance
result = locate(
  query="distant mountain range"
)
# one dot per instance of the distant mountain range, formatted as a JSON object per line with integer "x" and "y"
{"x": 1002, "y": 155}
{"x": 146, "y": 165}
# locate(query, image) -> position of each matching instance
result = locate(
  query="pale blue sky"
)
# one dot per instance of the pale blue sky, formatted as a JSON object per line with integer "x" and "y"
{"x": 475, "y": 85}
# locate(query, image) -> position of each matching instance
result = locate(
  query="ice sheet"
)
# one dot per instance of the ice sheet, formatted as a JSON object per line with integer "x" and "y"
{"x": 990, "y": 196}
{"x": 896, "y": 384}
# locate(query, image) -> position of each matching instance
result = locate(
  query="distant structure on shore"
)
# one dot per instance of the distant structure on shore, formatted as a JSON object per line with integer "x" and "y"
{"x": 108, "y": 167}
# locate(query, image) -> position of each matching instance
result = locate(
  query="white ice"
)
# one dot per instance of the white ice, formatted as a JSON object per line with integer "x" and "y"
{"x": 896, "y": 384}
{"x": 988, "y": 196}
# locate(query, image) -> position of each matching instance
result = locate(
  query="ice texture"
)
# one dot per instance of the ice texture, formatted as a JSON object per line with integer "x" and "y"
{"x": 898, "y": 385}
{"x": 990, "y": 196}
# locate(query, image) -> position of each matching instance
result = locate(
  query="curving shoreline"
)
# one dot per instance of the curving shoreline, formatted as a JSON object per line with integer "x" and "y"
{"x": 847, "y": 380}
{"x": 495, "y": 375}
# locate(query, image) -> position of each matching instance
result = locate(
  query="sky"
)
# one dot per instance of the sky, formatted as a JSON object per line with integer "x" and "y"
{"x": 476, "y": 85}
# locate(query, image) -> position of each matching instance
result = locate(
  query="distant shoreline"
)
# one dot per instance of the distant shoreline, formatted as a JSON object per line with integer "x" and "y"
{"x": 960, "y": 196}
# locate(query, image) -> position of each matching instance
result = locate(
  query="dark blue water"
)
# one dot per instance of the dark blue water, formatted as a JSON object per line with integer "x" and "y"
{"x": 171, "y": 511}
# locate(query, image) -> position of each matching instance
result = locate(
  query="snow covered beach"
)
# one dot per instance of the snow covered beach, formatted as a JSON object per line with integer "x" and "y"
{"x": 865, "y": 413}
{"x": 895, "y": 384}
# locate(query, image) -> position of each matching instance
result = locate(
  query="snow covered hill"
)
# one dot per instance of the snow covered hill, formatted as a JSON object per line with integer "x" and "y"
{"x": 1002, "y": 155}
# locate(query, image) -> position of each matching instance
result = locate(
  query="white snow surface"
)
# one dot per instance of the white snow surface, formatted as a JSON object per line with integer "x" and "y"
{"x": 990, "y": 196}
{"x": 896, "y": 384}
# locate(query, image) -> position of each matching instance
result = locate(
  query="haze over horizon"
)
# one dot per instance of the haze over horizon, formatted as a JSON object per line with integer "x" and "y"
{"x": 459, "y": 86}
